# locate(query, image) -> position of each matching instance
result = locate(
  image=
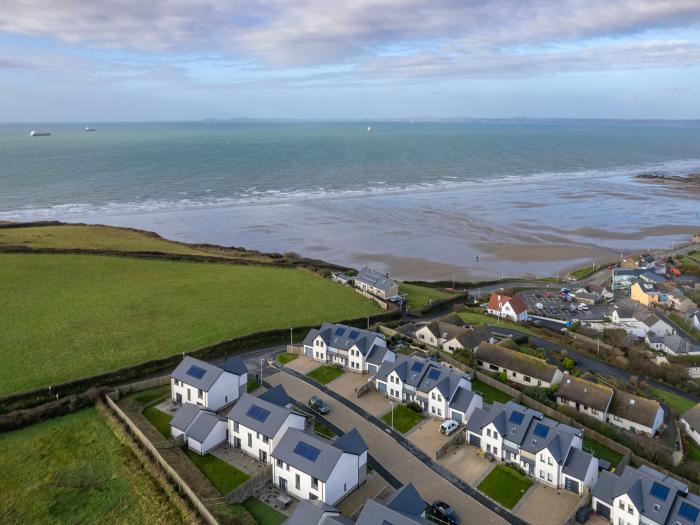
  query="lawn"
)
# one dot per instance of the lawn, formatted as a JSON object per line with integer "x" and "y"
{"x": 601, "y": 451}
{"x": 286, "y": 357}
{"x": 159, "y": 419}
{"x": 144, "y": 397}
{"x": 404, "y": 418}
{"x": 77, "y": 315}
{"x": 676, "y": 402}
{"x": 252, "y": 385}
{"x": 73, "y": 469}
{"x": 505, "y": 485}
{"x": 323, "y": 430}
{"x": 693, "y": 451}
{"x": 489, "y": 393}
{"x": 471, "y": 317}
{"x": 419, "y": 296}
{"x": 263, "y": 513}
{"x": 223, "y": 476}
{"x": 326, "y": 373}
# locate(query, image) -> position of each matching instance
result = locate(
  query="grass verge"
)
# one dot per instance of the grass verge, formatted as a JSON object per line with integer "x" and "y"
{"x": 505, "y": 485}
{"x": 286, "y": 357}
{"x": 323, "y": 430}
{"x": 418, "y": 296}
{"x": 160, "y": 420}
{"x": 489, "y": 393}
{"x": 326, "y": 373}
{"x": 404, "y": 418}
{"x": 252, "y": 385}
{"x": 263, "y": 513}
{"x": 676, "y": 402}
{"x": 472, "y": 317}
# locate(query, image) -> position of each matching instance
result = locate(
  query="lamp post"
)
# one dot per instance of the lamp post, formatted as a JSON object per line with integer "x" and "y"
{"x": 392, "y": 414}
{"x": 262, "y": 360}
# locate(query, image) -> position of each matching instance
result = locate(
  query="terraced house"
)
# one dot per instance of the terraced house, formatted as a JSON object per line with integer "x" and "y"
{"x": 441, "y": 391}
{"x": 376, "y": 283}
{"x": 352, "y": 348}
{"x": 635, "y": 413}
{"x": 545, "y": 449}
{"x": 207, "y": 385}
{"x": 519, "y": 367}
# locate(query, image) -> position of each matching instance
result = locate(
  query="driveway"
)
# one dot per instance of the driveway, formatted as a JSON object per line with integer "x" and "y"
{"x": 303, "y": 364}
{"x": 400, "y": 462}
{"x": 346, "y": 384}
{"x": 545, "y": 505}
{"x": 372, "y": 488}
{"x": 427, "y": 436}
{"x": 467, "y": 463}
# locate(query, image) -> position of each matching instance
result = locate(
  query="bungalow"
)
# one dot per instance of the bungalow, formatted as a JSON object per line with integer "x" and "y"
{"x": 441, "y": 391}
{"x": 437, "y": 333}
{"x": 353, "y": 348}
{"x": 519, "y": 367}
{"x": 645, "y": 293}
{"x": 312, "y": 468}
{"x": 673, "y": 344}
{"x": 635, "y": 413}
{"x": 677, "y": 300}
{"x": 586, "y": 397}
{"x": 507, "y": 307}
{"x": 469, "y": 339}
{"x": 376, "y": 283}
{"x": 644, "y": 496}
{"x": 200, "y": 429}
{"x": 540, "y": 446}
{"x": 211, "y": 386}
{"x": 257, "y": 424}
{"x": 691, "y": 422}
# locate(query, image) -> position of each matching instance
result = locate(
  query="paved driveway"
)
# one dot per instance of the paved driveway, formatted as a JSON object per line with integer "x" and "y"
{"x": 545, "y": 505}
{"x": 346, "y": 384}
{"x": 427, "y": 436}
{"x": 372, "y": 488}
{"x": 467, "y": 463}
{"x": 399, "y": 461}
{"x": 303, "y": 364}
{"x": 373, "y": 402}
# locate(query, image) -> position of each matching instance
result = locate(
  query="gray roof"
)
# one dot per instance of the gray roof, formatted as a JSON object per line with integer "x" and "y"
{"x": 374, "y": 513}
{"x": 476, "y": 421}
{"x": 604, "y": 487}
{"x": 634, "y": 408}
{"x": 692, "y": 417}
{"x": 184, "y": 416}
{"x": 208, "y": 377}
{"x": 676, "y": 516}
{"x": 471, "y": 338}
{"x": 203, "y": 425}
{"x": 461, "y": 399}
{"x": 557, "y": 441}
{"x": 577, "y": 463}
{"x": 377, "y": 354}
{"x": 680, "y": 345}
{"x": 407, "y": 500}
{"x": 627, "y": 272}
{"x": 320, "y": 468}
{"x": 277, "y": 396}
{"x": 585, "y": 392}
{"x": 652, "y": 276}
{"x": 344, "y": 337}
{"x": 444, "y": 330}
{"x": 375, "y": 279}
{"x": 423, "y": 374}
{"x": 352, "y": 443}
{"x": 271, "y": 424}
{"x": 310, "y": 513}
{"x": 236, "y": 366}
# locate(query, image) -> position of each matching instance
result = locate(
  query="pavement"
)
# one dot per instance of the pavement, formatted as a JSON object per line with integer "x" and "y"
{"x": 370, "y": 489}
{"x": 555, "y": 308}
{"x": 545, "y": 505}
{"x": 427, "y": 436}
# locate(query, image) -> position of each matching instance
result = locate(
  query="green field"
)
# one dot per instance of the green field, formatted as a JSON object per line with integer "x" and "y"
{"x": 326, "y": 373}
{"x": 419, "y": 296}
{"x": 471, "y": 317}
{"x": 676, "y": 402}
{"x": 505, "y": 485}
{"x": 601, "y": 451}
{"x": 70, "y": 316}
{"x": 489, "y": 393}
{"x": 73, "y": 469}
{"x": 693, "y": 451}
{"x": 404, "y": 418}
{"x": 286, "y": 357}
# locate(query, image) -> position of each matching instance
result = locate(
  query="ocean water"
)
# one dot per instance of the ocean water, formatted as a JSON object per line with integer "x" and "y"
{"x": 143, "y": 167}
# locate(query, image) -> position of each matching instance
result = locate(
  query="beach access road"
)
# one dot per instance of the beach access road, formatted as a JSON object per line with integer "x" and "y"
{"x": 399, "y": 461}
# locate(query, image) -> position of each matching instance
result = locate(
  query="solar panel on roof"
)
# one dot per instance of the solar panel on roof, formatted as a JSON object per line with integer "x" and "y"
{"x": 688, "y": 512}
{"x": 258, "y": 413}
{"x": 306, "y": 451}
{"x": 433, "y": 374}
{"x": 339, "y": 331}
{"x": 354, "y": 334}
{"x": 417, "y": 367}
{"x": 541, "y": 431}
{"x": 659, "y": 491}
{"x": 196, "y": 372}
{"x": 516, "y": 417}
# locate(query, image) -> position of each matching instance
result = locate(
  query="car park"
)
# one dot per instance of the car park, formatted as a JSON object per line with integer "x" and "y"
{"x": 449, "y": 426}
{"x": 582, "y": 307}
{"x": 319, "y": 405}
{"x": 539, "y": 306}
{"x": 441, "y": 512}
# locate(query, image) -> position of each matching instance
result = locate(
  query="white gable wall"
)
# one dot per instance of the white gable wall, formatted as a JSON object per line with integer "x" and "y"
{"x": 215, "y": 437}
{"x": 343, "y": 479}
{"x": 225, "y": 390}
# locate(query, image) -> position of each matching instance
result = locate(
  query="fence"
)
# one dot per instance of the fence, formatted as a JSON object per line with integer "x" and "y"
{"x": 363, "y": 389}
{"x": 144, "y": 384}
{"x": 174, "y": 476}
{"x": 250, "y": 487}
{"x": 295, "y": 349}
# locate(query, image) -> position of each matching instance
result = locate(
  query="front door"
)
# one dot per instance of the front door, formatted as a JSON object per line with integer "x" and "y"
{"x": 237, "y": 442}
{"x": 283, "y": 484}
{"x": 178, "y": 398}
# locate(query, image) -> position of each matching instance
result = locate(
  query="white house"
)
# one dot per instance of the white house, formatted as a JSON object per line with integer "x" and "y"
{"x": 640, "y": 323}
{"x": 644, "y": 496}
{"x": 691, "y": 423}
{"x": 376, "y": 283}
{"x": 201, "y": 429}
{"x": 437, "y": 333}
{"x": 469, "y": 339}
{"x": 519, "y": 367}
{"x": 257, "y": 424}
{"x": 312, "y": 468}
{"x": 635, "y": 413}
{"x": 443, "y": 392}
{"x": 695, "y": 320}
{"x": 586, "y": 397}
{"x": 504, "y": 306}
{"x": 204, "y": 384}
{"x": 674, "y": 344}
{"x": 353, "y": 348}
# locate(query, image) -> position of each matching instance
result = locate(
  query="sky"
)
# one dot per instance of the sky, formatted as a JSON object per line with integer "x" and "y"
{"x": 140, "y": 60}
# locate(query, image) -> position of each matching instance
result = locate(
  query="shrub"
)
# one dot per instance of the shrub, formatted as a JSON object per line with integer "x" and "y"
{"x": 415, "y": 407}
{"x": 568, "y": 363}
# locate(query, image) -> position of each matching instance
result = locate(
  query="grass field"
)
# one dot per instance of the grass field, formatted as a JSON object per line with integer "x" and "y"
{"x": 601, "y": 451}
{"x": 676, "y": 402}
{"x": 419, "y": 296}
{"x": 505, "y": 485}
{"x": 489, "y": 393}
{"x": 78, "y": 315}
{"x": 72, "y": 469}
{"x": 286, "y": 357}
{"x": 471, "y": 317}
{"x": 223, "y": 476}
{"x": 404, "y": 418}
{"x": 326, "y": 373}
{"x": 685, "y": 326}
{"x": 693, "y": 451}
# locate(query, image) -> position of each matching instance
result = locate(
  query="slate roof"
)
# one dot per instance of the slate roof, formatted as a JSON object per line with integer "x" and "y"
{"x": 461, "y": 399}
{"x": 652, "y": 277}
{"x": 680, "y": 345}
{"x": 184, "y": 416}
{"x": 203, "y": 425}
{"x": 634, "y": 408}
{"x": 236, "y": 366}
{"x": 210, "y": 375}
{"x": 277, "y": 396}
{"x": 682, "y": 507}
{"x": 423, "y": 374}
{"x": 443, "y": 330}
{"x": 557, "y": 441}
{"x": 269, "y": 427}
{"x": 587, "y": 393}
{"x": 577, "y": 463}
{"x": 646, "y": 318}
{"x": 375, "y": 279}
{"x": 374, "y": 513}
{"x": 320, "y": 468}
{"x": 624, "y": 313}
{"x": 407, "y": 500}
{"x": 516, "y": 361}
{"x": 352, "y": 443}
{"x": 471, "y": 338}
{"x": 377, "y": 355}
{"x": 310, "y": 513}
{"x": 692, "y": 417}
{"x": 343, "y": 337}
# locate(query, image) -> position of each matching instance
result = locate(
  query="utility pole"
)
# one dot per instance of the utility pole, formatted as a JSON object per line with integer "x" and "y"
{"x": 291, "y": 336}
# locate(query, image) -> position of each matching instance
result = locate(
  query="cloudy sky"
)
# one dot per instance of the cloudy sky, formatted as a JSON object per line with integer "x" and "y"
{"x": 99, "y": 60}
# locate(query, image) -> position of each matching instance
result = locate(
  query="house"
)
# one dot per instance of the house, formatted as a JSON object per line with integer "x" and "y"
{"x": 404, "y": 507}
{"x": 469, "y": 339}
{"x": 638, "y": 323}
{"x": 673, "y": 344}
{"x": 201, "y": 429}
{"x": 441, "y": 391}
{"x": 376, "y": 283}
{"x": 316, "y": 513}
{"x": 507, "y": 307}
{"x": 437, "y": 333}
{"x": 677, "y": 300}
{"x": 601, "y": 291}
{"x": 652, "y": 277}
{"x": 353, "y": 348}
{"x": 622, "y": 278}
{"x": 635, "y": 413}
{"x": 312, "y": 468}
{"x": 540, "y": 446}
{"x": 257, "y": 424}
{"x": 644, "y": 496}
{"x": 211, "y": 386}
{"x": 646, "y": 261}
{"x": 691, "y": 422}
{"x": 645, "y": 293}
{"x": 586, "y": 397}
{"x": 519, "y": 367}
{"x": 695, "y": 320}
{"x": 342, "y": 278}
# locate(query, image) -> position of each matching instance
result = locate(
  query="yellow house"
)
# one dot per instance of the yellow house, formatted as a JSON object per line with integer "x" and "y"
{"x": 644, "y": 293}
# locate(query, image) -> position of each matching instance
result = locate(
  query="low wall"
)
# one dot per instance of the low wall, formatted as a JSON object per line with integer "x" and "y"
{"x": 144, "y": 384}
{"x": 250, "y": 487}
{"x": 455, "y": 441}
{"x": 295, "y": 349}
{"x": 384, "y": 305}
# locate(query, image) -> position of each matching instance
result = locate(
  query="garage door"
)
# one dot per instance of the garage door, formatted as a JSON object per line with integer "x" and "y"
{"x": 571, "y": 485}
{"x": 475, "y": 440}
{"x": 457, "y": 416}
{"x": 309, "y": 351}
{"x": 381, "y": 387}
{"x": 372, "y": 369}
{"x": 603, "y": 511}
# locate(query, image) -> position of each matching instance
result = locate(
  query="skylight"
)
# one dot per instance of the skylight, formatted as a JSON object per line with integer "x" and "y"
{"x": 354, "y": 334}
{"x": 541, "y": 431}
{"x": 339, "y": 331}
{"x": 306, "y": 451}
{"x": 196, "y": 372}
{"x": 433, "y": 374}
{"x": 516, "y": 417}
{"x": 258, "y": 413}
{"x": 659, "y": 491}
{"x": 417, "y": 367}
{"x": 688, "y": 512}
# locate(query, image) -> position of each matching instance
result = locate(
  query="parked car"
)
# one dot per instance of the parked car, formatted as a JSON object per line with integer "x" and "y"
{"x": 449, "y": 426}
{"x": 319, "y": 405}
{"x": 441, "y": 512}
{"x": 583, "y": 307}
{"x": 539, "y": 306}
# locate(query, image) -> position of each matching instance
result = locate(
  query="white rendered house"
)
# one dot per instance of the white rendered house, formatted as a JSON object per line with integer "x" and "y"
{"x": 210, "y": 386}
{"x": 201, "y": 429}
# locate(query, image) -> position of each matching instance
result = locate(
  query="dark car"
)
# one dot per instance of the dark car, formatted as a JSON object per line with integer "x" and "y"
{"x": 441, "y": 512}
{"x": 319, "y": 405}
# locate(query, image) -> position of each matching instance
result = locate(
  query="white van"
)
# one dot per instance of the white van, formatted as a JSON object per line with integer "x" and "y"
{"x": 448, "y": 427}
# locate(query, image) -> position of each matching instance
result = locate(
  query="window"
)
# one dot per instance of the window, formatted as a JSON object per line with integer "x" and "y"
{"x": 527, "y": 379}
{"x": 656, "y": 507}
{"x": 235, "y": 426}
{"x": 495, "y": 451}
{"x": 594, "y": 411}
{"x": 488, "y": 448}
{"x": 549, "y": 477}
{"x": 542, "y": 474}
{"x": 493, "y": 367}
{"x": 266, "y": 439}
{"x": 313, "y": 496}
{"x": 314, "y": 483}
{"x": 250, "y": 439}
{"x": 280, "y": 463}
{"x": 630, "y": 509}
{"x": 432, "y": 395}
{"x": 622, "y": 505}
{"x": 297, "y": 481}
{"x": 539, "y": 383}
{"x": 515, "y": 375}
{"x": 488, "y": 432}
{"x": 549, "y": 461}
{"x": 200, "y": 393}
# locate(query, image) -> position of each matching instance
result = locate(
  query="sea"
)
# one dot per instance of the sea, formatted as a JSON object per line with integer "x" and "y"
{"x": 422, "y": 199}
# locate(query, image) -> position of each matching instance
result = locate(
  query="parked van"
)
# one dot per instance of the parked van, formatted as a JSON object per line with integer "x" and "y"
{"x": 448, "y": 427}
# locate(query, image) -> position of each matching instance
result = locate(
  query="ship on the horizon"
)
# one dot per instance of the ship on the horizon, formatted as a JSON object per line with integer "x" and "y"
{"x": 35, "y": 133}
{"x": 88, "y": 128}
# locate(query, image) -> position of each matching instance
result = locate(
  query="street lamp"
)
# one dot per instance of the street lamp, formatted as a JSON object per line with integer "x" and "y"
{"x": 262, "y": 360}
{"x": 392, "y": 414}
